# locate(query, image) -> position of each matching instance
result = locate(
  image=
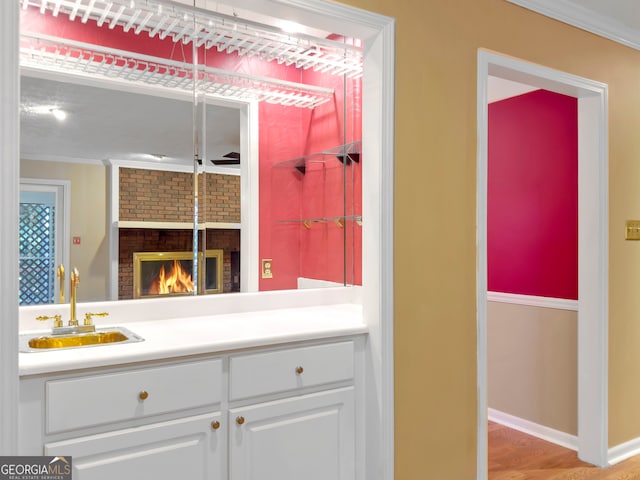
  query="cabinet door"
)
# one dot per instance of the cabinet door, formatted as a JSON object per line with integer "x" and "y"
{"x": 309, "y": 437}
{"x": 188, "y": 448}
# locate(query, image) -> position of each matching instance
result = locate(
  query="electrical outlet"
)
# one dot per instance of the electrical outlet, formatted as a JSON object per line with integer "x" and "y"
{"x": 267, "y": 265}
{"x": 632, "y": 230}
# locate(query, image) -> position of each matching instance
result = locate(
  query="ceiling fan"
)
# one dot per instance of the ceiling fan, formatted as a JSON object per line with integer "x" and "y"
{"x": 231, "y": 158}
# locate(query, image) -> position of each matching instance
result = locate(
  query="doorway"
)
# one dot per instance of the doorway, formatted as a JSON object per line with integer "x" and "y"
{"x": 44, "y": 238}
{"x": 592, "y": 246}
{"x": 532, "y": 238}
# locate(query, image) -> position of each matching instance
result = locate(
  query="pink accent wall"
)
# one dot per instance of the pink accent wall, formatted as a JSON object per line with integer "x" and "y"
{"x": 287, "y": 133}
{"x": 533, "y": 195}
{"x": 332, "y": 252}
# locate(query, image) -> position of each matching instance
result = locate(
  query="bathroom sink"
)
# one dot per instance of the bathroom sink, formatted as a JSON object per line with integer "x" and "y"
{"x": 107, "y": 336}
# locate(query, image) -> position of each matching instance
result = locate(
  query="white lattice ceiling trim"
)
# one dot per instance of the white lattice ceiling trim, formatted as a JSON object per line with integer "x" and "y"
{"x": 225, "y": 33}
{"x": 40, "y": 52}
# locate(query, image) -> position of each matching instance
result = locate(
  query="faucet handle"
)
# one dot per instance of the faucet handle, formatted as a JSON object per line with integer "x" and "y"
{"x": 57, "y": 319}
{"x": 88, "y": 316}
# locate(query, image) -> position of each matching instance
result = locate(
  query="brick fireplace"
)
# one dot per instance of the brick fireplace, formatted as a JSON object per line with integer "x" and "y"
{"x": 151, "y": 200}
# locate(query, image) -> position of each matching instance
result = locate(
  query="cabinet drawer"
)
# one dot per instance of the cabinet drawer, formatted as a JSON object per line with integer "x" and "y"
{"x": 96, "y": 400}
{"x": 283, "y": 370}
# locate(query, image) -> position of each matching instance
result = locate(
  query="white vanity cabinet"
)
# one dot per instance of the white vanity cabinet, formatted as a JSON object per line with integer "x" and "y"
{"x": 150, "y": 422}
{"x": 272, "y": 413}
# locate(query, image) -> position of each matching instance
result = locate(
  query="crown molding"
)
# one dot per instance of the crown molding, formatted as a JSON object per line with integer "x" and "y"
{"x": 574, "y": 14}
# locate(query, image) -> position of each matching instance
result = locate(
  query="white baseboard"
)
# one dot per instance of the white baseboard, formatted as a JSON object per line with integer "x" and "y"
{"x": 540, "y": 431}
{"x": 623, "y": 451}
{"x": 304, "y": 283}
{"x": 533, "y": 301}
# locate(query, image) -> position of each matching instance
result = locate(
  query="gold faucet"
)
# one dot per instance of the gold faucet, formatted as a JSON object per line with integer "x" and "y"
{"x": 61, "y": 278}
{"x": 73, "y": 326}
{"x": 75, "y": 280}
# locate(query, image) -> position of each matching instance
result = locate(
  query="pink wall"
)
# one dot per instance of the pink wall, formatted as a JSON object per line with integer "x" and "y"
{"x": 533, "y": 196}
{"x": 287, "y": 133}
{"x": 326, "y": 251}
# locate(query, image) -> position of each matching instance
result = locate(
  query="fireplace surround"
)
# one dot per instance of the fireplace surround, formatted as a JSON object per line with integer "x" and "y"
{"x": 158, "y": 274}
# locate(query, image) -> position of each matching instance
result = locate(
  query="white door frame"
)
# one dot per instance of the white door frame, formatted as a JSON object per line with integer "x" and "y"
{"x": 592, "y": 252}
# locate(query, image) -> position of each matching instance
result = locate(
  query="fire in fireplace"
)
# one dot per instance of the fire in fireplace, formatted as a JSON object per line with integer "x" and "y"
{"x": 171, "y": 273}
{"x": 176, "y": 280}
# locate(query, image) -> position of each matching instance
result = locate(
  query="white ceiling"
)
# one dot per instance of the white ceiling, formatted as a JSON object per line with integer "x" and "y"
{"x": 106, "y": 124}
{"x": 501, "y": 88}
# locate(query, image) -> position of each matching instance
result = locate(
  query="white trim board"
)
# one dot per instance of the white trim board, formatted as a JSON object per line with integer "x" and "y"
{"x": 9, "y": 195}
{"x": 624, "y": 451}
{"x": 616, "y": 454}
{"x": 593, "y": 276}
{"x": 534, "y": 429}
{"x": 573, "y": 13}
{"x": 533, "y": 301}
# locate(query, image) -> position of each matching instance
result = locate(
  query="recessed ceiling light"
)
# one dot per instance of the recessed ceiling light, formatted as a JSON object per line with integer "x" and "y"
{"x": 54, "y": 110}
{"x": 59, "y": 114}
{"x": 290, "y": 27}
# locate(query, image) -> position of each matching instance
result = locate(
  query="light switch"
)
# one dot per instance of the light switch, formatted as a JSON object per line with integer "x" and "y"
{"x": 632, "y": 230}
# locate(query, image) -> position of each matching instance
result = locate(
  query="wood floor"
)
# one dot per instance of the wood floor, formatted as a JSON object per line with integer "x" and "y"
{"x": 516, "y": 456}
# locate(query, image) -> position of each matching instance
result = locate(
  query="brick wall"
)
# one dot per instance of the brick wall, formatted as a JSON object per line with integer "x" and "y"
{"x": 222, "y": 198}
{"x": 155, "y": 195}
{"x": 165, "y": 240}
{"x": 162, "y": 196}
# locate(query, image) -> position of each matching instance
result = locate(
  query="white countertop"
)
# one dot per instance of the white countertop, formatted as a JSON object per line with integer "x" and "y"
{"x": 171, "y": 338}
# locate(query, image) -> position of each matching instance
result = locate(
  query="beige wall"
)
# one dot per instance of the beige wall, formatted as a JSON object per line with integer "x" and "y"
{"x": 88, "y": 221}
{"x": 532, "y": 364}
{"x": 435, "y": 250}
